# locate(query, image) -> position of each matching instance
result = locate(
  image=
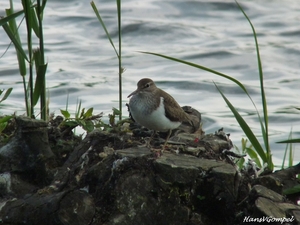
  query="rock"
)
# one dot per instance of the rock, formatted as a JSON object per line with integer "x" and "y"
{"x": 59, "y": 208}
{"x": 266, "y": 207}
{"x": 107, "y": 179}
{"x": 217, "y": 142}
{"x": 269, "y": 205}
{"x": 261, "y": 191}
{"x": 134, "y": 152}
{"x": 139, "y": 188}
{"x": 15, "y": 184}
{"x": 27, "y": 152}
{"x": 270, "y": 182}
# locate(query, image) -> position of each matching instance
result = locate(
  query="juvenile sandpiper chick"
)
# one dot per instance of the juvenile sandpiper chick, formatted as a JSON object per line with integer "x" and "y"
{"x": 155, "y": 109}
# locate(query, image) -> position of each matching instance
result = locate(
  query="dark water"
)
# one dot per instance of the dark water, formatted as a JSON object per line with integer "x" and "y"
{"x": 215, "y": 34}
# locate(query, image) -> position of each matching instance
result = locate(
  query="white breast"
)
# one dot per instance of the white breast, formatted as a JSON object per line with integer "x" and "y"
{"x": 155, "y": 120}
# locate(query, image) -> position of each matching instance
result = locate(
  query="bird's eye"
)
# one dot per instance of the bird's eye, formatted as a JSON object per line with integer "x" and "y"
{"x": 147, "y": 85}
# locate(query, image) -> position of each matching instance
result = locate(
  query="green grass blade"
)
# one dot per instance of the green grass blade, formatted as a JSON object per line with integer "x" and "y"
{"x": 44, "y": 2}
{"x": 28, "y": 16}
{"x": 297, "y": 140}
{"x": 12, "y": 32}
{"x": 43, "y": 100}
{"x": 35, "y": 23}
{"x": 285, "y": 151}
{"x": 7, "y": 93}
{"x": 67, "y": 102}
{"x": 200, "y": 67}
{"x": 120, "y": 57}
{"x": 78, "y": 110}
{"x": 39, "y": 83}
{"x": 291, "y": 155}
{"x": 29, "y": 21}
{"x": 16, "y": 43}
{"x": 119, "y": 28}
{"x": 253, "y": 156}
{"x": 10, "y": 17}
{"x": 15, "y": 38}
{"x": 289, "y": 147}
{"x": 248, "y": 132}
{"x": 263, "y": 96}
{"x": 103, "y": 26}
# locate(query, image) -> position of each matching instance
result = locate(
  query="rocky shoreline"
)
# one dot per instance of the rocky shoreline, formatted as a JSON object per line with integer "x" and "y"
{"x": 48, "y": 176}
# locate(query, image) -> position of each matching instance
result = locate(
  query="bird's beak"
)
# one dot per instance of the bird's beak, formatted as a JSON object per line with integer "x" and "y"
{"x": 133, "y": 93}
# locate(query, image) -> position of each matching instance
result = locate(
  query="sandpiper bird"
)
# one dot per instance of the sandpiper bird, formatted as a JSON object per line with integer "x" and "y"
{"x": 155, "y": 109}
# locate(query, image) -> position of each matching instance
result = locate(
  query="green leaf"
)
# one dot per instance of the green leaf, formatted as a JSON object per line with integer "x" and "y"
{"x": 3, "y": 122}
{"x": 10, "y": 17}
{"x": 292, "y": 190}
{"x": 297, "y": 140}
{"x": 28, "y": 14}
{"x": 88, "y": 113}
{"x": 253, "y": 156}
{"x": 14, "y": 40}
{"x": 71, "y": 123}
{"x": 82, "y": 114}
{"x": 116, "y": 111}
{"x": 39, "y": 82}
{"x": 241, "y": 162}
{"x": 112, "y": 118}
{"x": 2, "y": 126}
{"x": 7, "y": 93}
{"x": 244, "y": 144}
{"x": 103, "y": 26}
{"x": 65, "y": 113}
{"x": 43, "y": 7}
{"x": 5, "y": 119}
{"x": 200, "y": 67}
{"x": 35, "y": 23}
{"x": 12, "y": 31}
{"x": 81, "y": 122}
{"x": 89, "y": 126}
{"x": 248, "y": 132}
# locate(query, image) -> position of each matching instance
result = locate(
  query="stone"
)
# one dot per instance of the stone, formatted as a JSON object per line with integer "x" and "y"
{"x": 261, "y": 191}
{"x": 266, "y": 207}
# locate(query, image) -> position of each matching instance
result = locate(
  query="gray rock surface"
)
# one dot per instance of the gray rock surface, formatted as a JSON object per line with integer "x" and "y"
{"x": 107, "y": 179}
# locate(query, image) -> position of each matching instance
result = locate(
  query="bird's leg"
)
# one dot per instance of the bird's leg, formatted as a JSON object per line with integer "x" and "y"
{"x": 169, "y": 134}
{"x": 148, "y": 142}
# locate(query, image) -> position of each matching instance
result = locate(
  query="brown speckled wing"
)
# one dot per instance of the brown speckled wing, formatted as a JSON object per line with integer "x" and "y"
{"x": 173, "y": 110}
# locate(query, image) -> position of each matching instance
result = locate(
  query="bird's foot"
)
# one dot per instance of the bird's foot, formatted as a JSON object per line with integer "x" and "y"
{"x": 157, "y": 152}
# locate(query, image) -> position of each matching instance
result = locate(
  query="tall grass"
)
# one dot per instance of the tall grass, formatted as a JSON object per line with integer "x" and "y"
{"x": 34, "y": 86}
{"x": 264, "y": 152}
{"x": 119, "y": 52}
